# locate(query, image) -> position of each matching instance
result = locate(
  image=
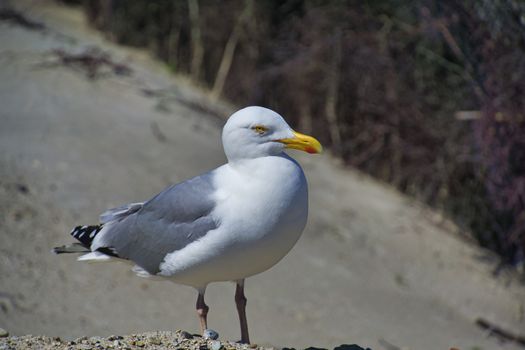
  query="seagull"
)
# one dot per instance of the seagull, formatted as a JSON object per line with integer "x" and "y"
{"x": 228, "y": 224}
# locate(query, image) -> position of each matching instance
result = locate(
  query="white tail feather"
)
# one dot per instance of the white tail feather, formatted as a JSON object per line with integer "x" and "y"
{"x": 94, "y": 257}
{"x": 140, "y": 272}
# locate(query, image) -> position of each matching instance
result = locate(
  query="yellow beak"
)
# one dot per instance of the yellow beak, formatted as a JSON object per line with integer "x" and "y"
{"x": 302, "y": 142}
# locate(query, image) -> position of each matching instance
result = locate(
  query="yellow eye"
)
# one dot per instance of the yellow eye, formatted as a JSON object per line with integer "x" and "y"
{"x": 259, "y": 129}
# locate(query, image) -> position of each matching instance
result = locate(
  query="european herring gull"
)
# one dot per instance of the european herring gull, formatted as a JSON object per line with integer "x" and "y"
{"x": 225, "y": 225}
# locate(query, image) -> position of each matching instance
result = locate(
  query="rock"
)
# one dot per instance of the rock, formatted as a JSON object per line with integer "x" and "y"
{"x": 210, "y": 334}
{"x": 115, "y": 337}
{"x": 3, "y": 333}
{"x": 154, "y": 341}
{"x": 95, "y": 340}
{"x": 186, "y": 335}
{"x": 349, "y": 347}
{"x": 215, "y": 345}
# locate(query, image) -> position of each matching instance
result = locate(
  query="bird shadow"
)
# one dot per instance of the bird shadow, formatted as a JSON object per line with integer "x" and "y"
{"x": 340, "y": 347}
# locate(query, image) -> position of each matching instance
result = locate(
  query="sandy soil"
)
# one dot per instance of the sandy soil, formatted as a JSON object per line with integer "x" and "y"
{"x": 373, "y": 267}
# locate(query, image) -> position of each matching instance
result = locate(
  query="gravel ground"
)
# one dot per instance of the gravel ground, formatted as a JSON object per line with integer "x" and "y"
{"x": 151, "y": 340}
{"x": 179, "y": 340}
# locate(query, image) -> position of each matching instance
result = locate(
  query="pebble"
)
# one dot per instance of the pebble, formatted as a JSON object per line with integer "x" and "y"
{"x": 115, "y": 337}
{"x": 154, "y": 341}
{"x": 3, "y": 333}
{"x": 215, "y": 345}
{"x": 186, "y": 335}
{"x": 95, "y": 340}
{"x": 210, "y": 334}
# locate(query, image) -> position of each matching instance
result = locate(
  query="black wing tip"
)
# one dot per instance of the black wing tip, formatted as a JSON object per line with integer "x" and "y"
{"x": 108, "y": 251}
{"x": 86, "y": 234}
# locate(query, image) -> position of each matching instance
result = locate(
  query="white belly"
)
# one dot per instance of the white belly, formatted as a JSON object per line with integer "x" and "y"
{"x": 261, "y": 213}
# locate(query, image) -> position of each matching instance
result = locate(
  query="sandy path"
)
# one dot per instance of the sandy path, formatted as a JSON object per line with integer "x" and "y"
{"x": 373, "y": 267}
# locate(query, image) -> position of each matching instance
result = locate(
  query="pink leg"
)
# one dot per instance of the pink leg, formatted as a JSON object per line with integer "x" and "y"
{"x": 202, "y": 311}
{"x": 240, "y": 300}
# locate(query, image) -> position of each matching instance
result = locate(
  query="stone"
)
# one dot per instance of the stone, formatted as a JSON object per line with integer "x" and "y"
{"x": 3, "y": 333}
{"x": 186, "y": 335}
{"x": 210, "y": 334}
{"x": 215, "y": 345}
{"x": 154, "y": 341}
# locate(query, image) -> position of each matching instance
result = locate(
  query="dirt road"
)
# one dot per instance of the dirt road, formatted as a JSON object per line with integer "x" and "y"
{"x": 373, "y": 267}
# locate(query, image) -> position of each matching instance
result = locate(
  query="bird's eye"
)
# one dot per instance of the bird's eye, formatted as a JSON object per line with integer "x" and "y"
{"x": 260, "y": 129}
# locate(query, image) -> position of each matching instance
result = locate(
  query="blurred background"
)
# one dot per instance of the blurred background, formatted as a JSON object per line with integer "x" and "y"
{"x": 419, "y": 207}
{"x": 425, "y": 95}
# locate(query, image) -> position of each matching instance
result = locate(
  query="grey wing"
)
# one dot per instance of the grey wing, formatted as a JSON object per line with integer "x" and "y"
{"x": 146, "y": 233}
{"x": 116, "y": 214}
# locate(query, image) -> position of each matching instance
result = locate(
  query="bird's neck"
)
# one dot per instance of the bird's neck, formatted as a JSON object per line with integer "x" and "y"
{"x": 254, "y": 162}
{"x": 265, "y": 167}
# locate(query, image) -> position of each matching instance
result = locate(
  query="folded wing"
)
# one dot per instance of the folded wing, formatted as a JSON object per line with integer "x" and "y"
{"x": 146, "y": 232}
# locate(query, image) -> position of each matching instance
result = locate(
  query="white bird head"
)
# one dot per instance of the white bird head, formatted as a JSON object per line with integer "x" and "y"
{"x": 254, "y": 132}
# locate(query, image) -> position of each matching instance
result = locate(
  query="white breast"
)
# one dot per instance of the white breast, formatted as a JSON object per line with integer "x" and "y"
{"x": 262, "y": 208}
